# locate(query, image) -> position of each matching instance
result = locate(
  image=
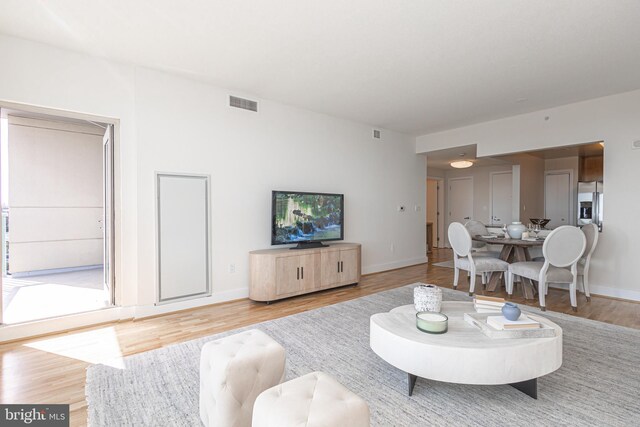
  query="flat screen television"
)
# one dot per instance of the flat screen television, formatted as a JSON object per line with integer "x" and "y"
{"x": 307, "y": 219}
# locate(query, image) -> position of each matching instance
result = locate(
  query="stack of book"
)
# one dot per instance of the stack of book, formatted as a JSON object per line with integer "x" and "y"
{"x": 503, "y": 324}
{"x": 484, "y": 304}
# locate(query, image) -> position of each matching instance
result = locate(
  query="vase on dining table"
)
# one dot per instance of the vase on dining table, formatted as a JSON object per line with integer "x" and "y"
{"x": 515, "y": 229}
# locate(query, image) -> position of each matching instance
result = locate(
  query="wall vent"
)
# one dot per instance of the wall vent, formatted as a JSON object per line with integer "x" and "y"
{"x": 377, "y": 134}
{"x": 245, "y": 104}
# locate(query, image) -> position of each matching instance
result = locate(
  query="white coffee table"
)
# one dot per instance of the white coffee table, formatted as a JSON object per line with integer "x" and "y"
{"x": 463, "y": 355}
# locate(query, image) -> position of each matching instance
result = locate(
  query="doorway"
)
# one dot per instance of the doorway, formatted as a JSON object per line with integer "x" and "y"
{"x": 501, "y": 198}
{"x": 56, "y": 176}
{"x": 435, "y": 197}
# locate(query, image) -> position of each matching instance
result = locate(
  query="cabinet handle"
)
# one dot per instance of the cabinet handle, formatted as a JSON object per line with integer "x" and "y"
{"x": 338, "y": 266}
{"x": 298, "y": 273}
{"x": 302, "y": 273}
{"x": 341, "y": 267}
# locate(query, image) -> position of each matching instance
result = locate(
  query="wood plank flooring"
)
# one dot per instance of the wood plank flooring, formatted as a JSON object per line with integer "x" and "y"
{"x": 51, "y": 369}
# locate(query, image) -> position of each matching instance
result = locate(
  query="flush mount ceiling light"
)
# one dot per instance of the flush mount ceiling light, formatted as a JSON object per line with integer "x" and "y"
{"x": 461, "y": 164}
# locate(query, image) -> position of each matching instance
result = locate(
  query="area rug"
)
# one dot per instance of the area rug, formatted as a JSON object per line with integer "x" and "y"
{"x": 598, "y": 383}
{"x": 448, "y": 264}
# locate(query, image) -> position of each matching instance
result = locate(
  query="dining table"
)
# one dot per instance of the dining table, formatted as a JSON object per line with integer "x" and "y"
{"x": 513, "y": 250}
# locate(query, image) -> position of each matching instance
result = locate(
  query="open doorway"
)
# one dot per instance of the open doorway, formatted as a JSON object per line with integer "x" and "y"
{"x": 435, "y": 204}
{"x": 56, "y": 178}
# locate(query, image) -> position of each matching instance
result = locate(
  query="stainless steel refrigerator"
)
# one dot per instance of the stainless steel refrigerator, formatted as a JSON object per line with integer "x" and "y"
{"x": 590, "y": 203}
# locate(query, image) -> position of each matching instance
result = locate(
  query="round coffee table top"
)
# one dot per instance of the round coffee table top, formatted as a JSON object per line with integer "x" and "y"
{"x": 464, "y": 354}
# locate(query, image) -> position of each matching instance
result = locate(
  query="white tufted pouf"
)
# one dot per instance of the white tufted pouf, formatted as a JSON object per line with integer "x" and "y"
{"x": 233, "y": 371}
{"x": 313, "y": 400}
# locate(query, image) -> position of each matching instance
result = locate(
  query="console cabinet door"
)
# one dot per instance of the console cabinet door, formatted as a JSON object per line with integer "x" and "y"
{"x": 307, "y": 265}
{"x": 288, "y": 275}
{"x": 330, "y": 261}
{"x": 349, "y": 266}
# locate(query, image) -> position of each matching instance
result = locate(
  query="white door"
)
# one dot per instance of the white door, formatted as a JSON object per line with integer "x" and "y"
{"x": 501, "y": 198}
{"x": 183, "y": 236}
{"x": 460, "y": 200}
{"x": 108, "y": 216}
{"x": 432, "y": 207}
{"x": 557, "y": 198}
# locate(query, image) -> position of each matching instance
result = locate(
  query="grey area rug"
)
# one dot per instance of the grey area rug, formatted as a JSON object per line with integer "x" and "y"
{"x": 448, "y": 264}
{"x": 597, "y": 385}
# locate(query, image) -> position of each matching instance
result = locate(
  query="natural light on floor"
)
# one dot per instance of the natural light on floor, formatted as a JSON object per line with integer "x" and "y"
{"x": 96, "y": 346}
{"x": 45, "y": 296}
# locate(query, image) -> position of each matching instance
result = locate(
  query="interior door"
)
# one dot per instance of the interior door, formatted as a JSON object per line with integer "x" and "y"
{"x": 501, "y": 198}
{"x": 557, "y": 198}
{"x": 460, "y": 200}
{"x": 108, "y": 216}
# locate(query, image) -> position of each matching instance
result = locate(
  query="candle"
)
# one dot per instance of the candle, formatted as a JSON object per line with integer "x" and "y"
{"x": 433, "y": 323}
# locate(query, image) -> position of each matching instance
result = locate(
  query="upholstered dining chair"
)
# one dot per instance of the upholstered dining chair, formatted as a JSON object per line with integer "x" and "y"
{"x": 591, "y": 234}
{"x": 476, "y": 228}
{"x": 562, "y": 249}
{"x": 465, "y": 259}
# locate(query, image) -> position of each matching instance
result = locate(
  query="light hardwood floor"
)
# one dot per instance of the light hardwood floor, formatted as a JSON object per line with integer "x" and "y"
{"x": 51, "y": 369}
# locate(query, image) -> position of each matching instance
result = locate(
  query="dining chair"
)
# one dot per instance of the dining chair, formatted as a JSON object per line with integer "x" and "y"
{"x": 562, "y": 250}
{"x": 476, "y": 228}
{"x": 465, "y": 259}
{"x": 591, "y": 234}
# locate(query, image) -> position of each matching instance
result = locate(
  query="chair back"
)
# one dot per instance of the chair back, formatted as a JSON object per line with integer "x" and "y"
{"x": 460, "y": 239}
{"x": 564, "y": 246}
{"x": 591, "y": 234}
{"x": 476, "y": 228}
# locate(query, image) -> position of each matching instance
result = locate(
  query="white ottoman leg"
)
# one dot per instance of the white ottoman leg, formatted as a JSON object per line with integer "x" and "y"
{"x": 233, "y": 371}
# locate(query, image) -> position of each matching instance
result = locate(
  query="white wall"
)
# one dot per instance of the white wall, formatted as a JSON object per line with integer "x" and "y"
{"x": 172, "y": 124}
{"x": 186, "y": 126}
{"x": 612, "y": 119}
{"x": 481, "y": 189}
{"x": 55, "y": 195}
{"x": 37, "y": 74}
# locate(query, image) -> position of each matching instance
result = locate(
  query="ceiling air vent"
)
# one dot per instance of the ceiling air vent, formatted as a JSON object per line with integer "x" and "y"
{"x": 245, "y": 104}
{"x": 376, "y": 134}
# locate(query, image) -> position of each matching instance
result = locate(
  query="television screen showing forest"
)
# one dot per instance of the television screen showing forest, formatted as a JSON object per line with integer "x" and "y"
{"x": 299, "y": 217}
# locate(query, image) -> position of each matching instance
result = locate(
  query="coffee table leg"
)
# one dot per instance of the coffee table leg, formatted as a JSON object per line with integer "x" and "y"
{"x": 527, "y": 387}
{"x": 411, "y": 382}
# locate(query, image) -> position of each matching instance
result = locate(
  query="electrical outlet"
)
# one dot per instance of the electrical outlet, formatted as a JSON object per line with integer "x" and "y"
{"x": 232, "y": 268}
{"x": 401, "y": 208}
{"x": 417, "y": 208}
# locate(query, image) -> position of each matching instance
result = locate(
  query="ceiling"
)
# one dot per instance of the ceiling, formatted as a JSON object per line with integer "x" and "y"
{"x": 583, "y": 150}
{"x": 415, "y": 66}
{"x": 441, "y": 159}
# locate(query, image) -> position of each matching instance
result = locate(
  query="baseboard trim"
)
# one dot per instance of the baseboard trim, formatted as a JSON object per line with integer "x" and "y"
{"x": 38, "y": 328}
{"x": 604, "y": 291}
{"x": 143, "y": 311}
{"x": 377, "y": 268}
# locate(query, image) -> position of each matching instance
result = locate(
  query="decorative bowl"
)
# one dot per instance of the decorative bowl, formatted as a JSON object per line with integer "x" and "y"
{"x": 432, "y": 323}
{"x": 511, "y": 311}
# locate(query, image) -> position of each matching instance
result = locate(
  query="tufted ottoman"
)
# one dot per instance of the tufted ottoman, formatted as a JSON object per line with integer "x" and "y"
{"x": 233, "y": 371}
{"x": 313, "y": 400}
